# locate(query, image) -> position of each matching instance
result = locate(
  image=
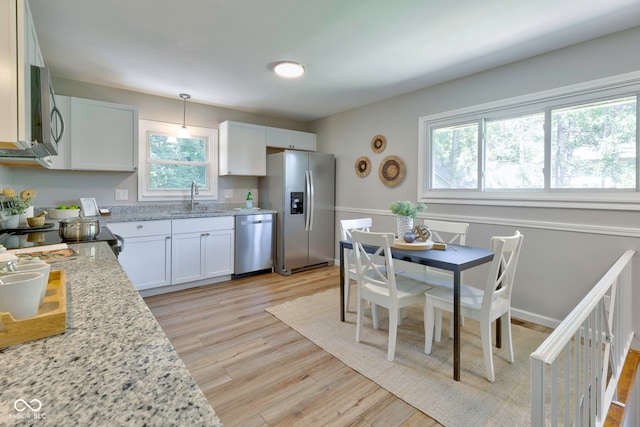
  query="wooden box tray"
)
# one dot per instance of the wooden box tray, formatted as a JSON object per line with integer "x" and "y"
{"x": 419, "y": 246}
{"x": 51, "y": 319}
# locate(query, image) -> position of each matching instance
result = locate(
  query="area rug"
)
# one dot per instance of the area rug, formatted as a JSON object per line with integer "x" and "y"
{"x": 424, "y": 381}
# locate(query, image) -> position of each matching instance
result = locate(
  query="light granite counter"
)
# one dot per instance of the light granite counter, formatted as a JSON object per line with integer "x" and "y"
{"x": 127, "y": 213}
{"x": 114, "y": 366}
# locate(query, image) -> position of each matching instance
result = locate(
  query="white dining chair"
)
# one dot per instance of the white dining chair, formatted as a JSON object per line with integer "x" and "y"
{"x": 380, "y": 286}
{"x": 448, "y": 232}
{"x": 484, "y": 305}
{"x": 349, "y": 267}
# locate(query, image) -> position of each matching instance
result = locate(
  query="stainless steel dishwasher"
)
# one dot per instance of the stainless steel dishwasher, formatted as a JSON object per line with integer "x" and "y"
{"x": 254, "y": 244}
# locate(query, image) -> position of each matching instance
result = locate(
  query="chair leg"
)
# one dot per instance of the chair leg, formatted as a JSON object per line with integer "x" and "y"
{"x": 428, "y": 325}
{"x": 374, "y": 315}
{"x": 393, "y": 333}
{"x": 347, "y": 291}
{"x": 437, "y": 313}
{"x": 487, "y": 350}
{"x": 506, "y": 335}
{"x": 359, "y": 316}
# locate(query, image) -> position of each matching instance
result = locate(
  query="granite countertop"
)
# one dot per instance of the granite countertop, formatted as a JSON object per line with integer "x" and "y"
{"x": 113, "y": 366}
{"x": 159, "y": 212}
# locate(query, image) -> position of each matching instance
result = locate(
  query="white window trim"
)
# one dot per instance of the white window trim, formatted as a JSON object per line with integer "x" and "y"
{"x": 174, "y": 195}
{"x": 618, "y": 200}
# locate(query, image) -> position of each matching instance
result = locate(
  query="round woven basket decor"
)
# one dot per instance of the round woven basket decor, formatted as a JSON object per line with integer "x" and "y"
{"x": 363, "y": 166}
{"x": 391, "y": 171}
{"x": 378, "y": 143}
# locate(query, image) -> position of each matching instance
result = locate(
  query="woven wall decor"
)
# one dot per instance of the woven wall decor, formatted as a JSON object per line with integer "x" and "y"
{"x": 363, "y": 166}
{"x": 378, "y": 143}
{"x": 391, "y": 171}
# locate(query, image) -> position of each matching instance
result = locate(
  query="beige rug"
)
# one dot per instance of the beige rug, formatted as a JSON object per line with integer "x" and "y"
{"x": 424, "y": 381}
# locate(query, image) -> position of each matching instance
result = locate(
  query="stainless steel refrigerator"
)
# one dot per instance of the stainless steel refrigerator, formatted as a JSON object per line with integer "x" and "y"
{"x": 300, "y": 186}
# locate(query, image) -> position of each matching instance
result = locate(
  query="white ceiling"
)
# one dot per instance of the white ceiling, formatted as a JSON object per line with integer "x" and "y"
{"x": 355, "y": 51}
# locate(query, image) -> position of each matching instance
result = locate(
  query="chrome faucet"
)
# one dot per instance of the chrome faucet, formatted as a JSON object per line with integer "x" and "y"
{"x": 194, "y": 192}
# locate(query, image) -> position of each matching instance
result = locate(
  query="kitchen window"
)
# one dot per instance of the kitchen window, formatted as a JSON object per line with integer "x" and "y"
{"x": 577, "y": 148}
{"x": 169, "y": 164}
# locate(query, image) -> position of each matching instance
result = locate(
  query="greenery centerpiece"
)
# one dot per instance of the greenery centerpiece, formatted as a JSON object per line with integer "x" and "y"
{"x": 406, "y": 211}
{"x": 18, "y": 208}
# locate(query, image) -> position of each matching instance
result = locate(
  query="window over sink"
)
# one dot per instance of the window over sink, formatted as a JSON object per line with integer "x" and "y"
{"x": 169, "y": 164}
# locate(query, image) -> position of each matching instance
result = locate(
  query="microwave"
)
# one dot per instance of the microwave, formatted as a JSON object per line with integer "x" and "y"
{"x": 47, "y": 123}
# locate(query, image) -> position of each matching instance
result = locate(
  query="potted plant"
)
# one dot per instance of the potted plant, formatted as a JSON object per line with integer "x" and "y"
{"x": 18, "y": 207}
{"x": 406, "y": 211}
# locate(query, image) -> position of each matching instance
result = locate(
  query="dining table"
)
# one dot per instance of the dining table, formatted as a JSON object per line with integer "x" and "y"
{"x": 454, "y": 258}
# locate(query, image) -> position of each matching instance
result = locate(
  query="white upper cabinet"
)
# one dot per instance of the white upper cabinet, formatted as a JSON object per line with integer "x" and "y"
{"x": 104, "y": 136}
{"x": 290, "y": 139}
{"x": 19, "y": 49}
{"x": 242, "y": 149}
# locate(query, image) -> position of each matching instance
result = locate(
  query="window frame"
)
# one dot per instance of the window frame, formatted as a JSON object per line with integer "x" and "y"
{"x": 541, "y": 102}
{"x": 144, "y": 194}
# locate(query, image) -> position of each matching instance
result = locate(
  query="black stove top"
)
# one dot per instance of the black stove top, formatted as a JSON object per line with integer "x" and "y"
{"x": 27, "y": 239}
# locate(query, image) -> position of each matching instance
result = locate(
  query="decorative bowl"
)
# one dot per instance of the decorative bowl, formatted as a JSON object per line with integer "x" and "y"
{"x": 35, "y": 221}
{"x": 64, "y": 213}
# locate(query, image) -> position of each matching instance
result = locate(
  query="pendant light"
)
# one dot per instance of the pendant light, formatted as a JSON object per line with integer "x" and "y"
{"x": 184, "y": 132}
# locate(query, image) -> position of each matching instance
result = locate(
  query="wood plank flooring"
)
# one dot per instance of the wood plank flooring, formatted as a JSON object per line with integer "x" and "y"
{"x": 256, "y": 371}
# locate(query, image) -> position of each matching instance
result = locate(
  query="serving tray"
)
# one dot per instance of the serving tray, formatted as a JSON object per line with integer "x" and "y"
{"x": 414, "y": 246}
{"x": 50, "y": 320}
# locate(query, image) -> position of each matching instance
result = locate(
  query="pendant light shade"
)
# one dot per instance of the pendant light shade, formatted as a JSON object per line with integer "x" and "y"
{"x": 184, "y": 132}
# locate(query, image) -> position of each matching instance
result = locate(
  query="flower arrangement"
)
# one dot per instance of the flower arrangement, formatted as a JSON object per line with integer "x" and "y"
{"x": 407, "y": 208}
{"x": 19, "y": 204}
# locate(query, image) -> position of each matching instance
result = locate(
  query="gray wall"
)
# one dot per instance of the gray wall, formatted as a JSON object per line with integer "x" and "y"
{"x": 64, "y": 187}
{"x": 565, "y": 251}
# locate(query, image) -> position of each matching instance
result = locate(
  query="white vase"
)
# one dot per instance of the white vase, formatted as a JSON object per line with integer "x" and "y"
{"x": 12, "y": 222}
{"x": 26, "y": 214}
{"x": 403, "y": 224}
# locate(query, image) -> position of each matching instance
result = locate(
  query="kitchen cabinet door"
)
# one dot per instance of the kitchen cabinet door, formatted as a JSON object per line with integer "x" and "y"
{"x": 218, "y": 253}
{"x": 202, "y": 248}
{"x": 290, "y": 139}
{"x": 19, "y": 49}
{"x": 146, "y": 257}
{"x": 186, "y": 257}
{"x": 147, "y": 261}
{"x": 242, "y": 149}
{"x": 104, "y": 136}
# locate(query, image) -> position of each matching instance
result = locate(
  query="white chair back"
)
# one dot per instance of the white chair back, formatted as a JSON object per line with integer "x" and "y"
{"x": 455, "y": 232}
{"x": 367, "y": 269}
{"x": 346, "y": 225}
{"x": 503, "y": 269}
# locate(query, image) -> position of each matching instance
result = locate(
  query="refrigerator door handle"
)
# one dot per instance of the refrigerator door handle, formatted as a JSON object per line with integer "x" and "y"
{"x": 312, "y": 200}
{"x": 307, "y": 214}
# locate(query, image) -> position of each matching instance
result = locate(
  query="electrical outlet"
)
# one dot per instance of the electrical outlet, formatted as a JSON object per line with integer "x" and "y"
{"x": 122, "y": 194}
{"x": 228, "y": 194}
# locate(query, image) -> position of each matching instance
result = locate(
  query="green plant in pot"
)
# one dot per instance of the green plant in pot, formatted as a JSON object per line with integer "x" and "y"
{"x": 406, "y": 212}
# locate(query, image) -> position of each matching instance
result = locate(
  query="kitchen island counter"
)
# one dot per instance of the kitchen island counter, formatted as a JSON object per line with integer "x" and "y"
{"x": 113, "y": 366}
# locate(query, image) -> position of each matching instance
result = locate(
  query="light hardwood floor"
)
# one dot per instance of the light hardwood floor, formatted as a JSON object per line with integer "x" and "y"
{"x": 256, "y": 371}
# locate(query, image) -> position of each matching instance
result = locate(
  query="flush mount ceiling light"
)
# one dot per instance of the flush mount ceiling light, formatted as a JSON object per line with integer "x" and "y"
{"x": 184, "y": 132}
{"x": 289, "y": 69}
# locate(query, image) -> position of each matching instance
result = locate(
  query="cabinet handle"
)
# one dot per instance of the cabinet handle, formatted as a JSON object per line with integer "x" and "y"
{"x": 167, "y": 238}
{"x": 204, "y": 234}
{"x": 140, "y": 226}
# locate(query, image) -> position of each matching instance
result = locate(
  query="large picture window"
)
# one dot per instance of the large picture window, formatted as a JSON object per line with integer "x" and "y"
{"x": 578, "y": 147}
{"x": 168, "y": 165}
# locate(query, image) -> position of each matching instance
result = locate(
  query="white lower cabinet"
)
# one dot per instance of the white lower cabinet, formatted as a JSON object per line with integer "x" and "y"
{"x": 173, "y": 252}
{"x": 146, "y": 257}
{"x": 202, "y": 248}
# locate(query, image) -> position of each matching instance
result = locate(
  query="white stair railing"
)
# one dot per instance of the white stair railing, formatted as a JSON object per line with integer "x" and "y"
{"x": 575, "y": 371}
